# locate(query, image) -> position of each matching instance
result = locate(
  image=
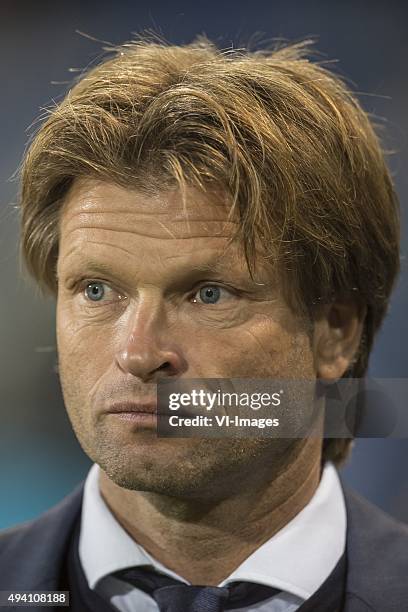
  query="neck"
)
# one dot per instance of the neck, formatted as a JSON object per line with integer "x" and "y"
{"x": 212, "y": 539}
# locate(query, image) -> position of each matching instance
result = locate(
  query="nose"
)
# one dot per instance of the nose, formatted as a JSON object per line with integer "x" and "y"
{"x": 146, "y": 350}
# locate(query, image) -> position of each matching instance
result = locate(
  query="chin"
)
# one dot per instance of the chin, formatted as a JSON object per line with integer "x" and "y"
{"x": 169, "y": 480}
{"x": 150, "y": 468}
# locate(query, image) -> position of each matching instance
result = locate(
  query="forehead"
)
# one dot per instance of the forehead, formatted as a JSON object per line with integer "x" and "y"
{"x": 115, "y": 226}
{"x": 93, "y": 205}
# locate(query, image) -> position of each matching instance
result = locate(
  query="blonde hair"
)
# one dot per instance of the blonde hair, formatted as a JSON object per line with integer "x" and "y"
{"x": 281, "y": 135}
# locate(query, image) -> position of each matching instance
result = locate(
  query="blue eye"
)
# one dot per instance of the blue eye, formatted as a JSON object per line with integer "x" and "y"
{"x": 95, "y": 291}
{"x": 210, "y": 294}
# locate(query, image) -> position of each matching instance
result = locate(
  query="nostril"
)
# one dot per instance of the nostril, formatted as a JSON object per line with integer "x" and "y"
{"x": 164, "y": 365}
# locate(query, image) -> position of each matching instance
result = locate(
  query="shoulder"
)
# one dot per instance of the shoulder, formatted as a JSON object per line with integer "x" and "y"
{"x": 377, "y": 555}
{"x": 31, "y": 553}
{"x": 373, "y": 529}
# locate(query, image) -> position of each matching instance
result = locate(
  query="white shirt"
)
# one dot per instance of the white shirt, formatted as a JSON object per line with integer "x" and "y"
{"x": 297, "y": 559}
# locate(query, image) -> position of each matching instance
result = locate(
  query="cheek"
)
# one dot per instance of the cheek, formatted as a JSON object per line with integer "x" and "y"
{"x": 260, "y": 348}
{"x": 83, "y": 354}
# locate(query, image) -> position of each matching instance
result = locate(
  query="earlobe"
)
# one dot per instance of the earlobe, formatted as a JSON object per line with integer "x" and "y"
{"x": 337, "y": 335}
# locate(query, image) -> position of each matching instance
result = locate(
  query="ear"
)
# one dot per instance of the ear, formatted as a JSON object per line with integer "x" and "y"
{"x": 337, "y": 333}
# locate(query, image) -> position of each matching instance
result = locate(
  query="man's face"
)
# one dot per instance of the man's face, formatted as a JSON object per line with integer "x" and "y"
{"x": 142, "y": 295}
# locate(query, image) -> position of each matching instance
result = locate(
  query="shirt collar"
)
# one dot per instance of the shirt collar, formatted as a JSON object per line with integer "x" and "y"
{"x": 300, "y": 556}
{"x": 297, "y": 559}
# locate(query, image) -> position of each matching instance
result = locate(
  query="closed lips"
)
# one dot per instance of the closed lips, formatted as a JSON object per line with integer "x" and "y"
{"x": 145, "y": 407}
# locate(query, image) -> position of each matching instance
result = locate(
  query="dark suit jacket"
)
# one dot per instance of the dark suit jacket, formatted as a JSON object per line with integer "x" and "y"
{"x": 31, "y": 554}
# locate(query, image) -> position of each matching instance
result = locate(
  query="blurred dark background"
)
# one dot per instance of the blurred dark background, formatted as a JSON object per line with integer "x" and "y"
{"x": 39, "y": 457}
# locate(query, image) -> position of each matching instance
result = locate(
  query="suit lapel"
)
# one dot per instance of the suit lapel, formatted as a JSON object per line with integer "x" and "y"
{"x": 377, "y": 558}
{"x": 31, "y": 555}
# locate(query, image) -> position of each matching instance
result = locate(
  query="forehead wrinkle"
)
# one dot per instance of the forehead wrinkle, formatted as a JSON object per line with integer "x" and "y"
{"x": 100, "y": 219}
{"x": 80, "y": 210}
{"x": 77, "y": 253}
{"x": 131, "y": 203}
{"x": 114, "y": 246}
{"x": 221, "y": 233}
{"x": 216, "y": 261}
{"x": 93, "y": 197}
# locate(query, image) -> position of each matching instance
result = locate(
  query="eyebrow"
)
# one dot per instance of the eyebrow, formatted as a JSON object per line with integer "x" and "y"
{"x": 217, "y": 266}
{"x": 95, "y": 266}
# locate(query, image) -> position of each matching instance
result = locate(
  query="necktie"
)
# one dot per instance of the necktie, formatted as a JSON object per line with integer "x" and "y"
{"x": 174, "y": 596}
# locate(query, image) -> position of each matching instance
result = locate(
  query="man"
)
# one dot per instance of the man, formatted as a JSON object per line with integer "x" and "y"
{"x": 201, "y": 214}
